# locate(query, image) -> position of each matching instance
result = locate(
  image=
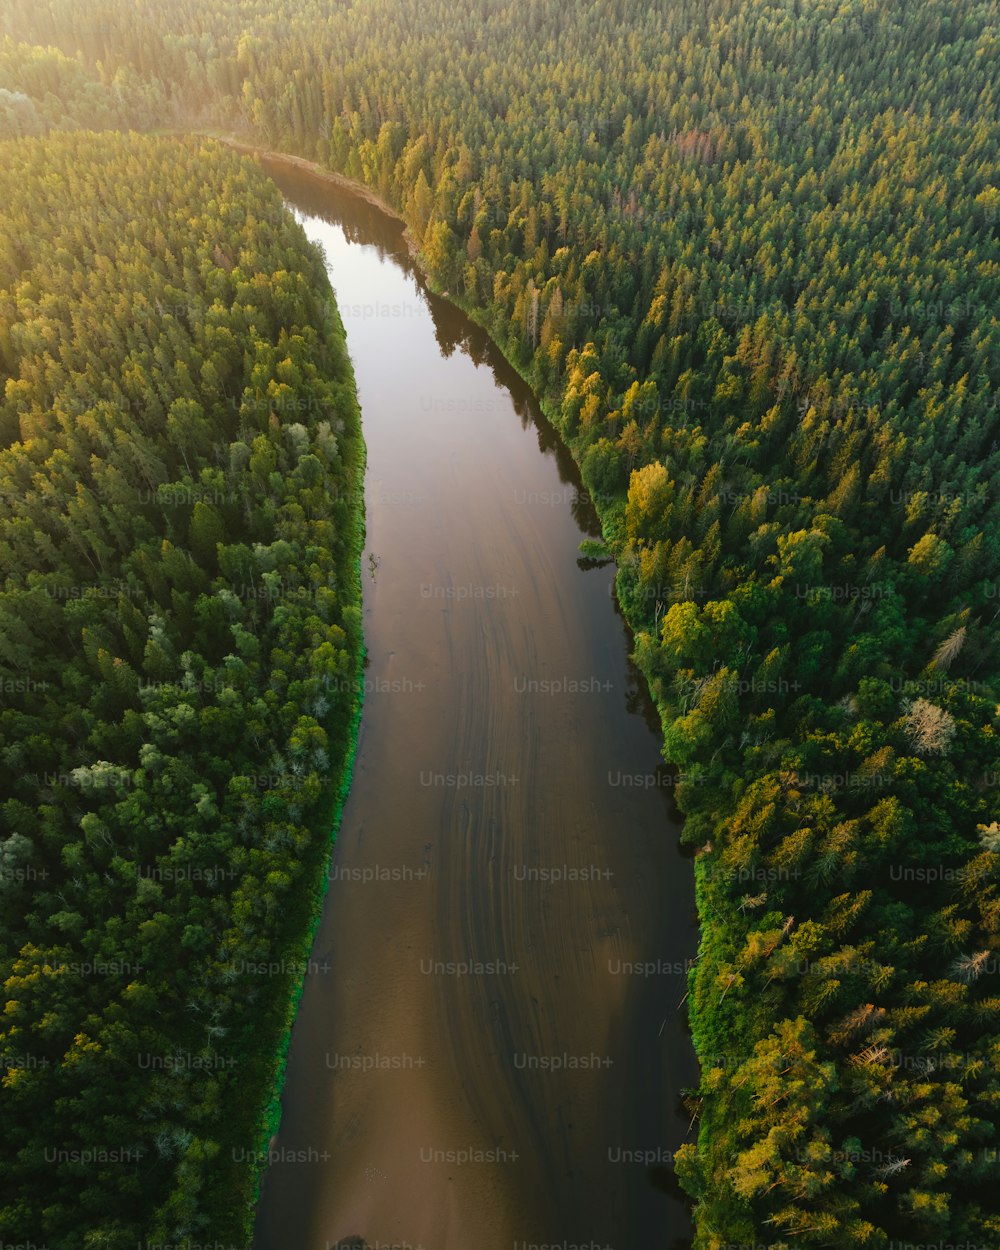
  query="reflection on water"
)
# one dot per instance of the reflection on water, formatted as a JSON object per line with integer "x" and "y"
{"x": 497, "y": 1050}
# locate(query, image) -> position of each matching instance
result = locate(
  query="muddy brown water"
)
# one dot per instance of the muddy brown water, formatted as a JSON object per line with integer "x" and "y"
{"x": 489, "y": 1050}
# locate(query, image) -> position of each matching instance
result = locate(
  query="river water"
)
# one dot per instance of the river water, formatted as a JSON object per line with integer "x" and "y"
{"x": 481, "y": 1060}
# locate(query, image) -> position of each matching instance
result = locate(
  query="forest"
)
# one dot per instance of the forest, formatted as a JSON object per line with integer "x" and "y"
{"x": 180, "y": 522}
{"x": 747, "y": 254}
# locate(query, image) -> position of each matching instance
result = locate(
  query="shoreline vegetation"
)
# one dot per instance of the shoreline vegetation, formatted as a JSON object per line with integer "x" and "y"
{"x": 358, "y": 189}
{"x": 340, "y": 779}
{"x": 317, "y": 171}
{"x": 713, "y": 1054}
{"x": 714, "y": 972}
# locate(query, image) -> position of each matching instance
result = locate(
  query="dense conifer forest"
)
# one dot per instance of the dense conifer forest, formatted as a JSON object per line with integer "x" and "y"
{"x": 180, "y": 475}
{"x": 748, "y": 256}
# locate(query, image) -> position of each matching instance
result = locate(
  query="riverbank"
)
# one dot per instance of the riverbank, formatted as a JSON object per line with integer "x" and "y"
{"x": 433, "y": 876}
{"x": 479, "y": 318}
{"x": 323, "y": 175}
{"x": 345, "y": 736}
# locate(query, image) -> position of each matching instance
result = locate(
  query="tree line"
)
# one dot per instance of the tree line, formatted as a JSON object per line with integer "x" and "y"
{"x": 180, "y": 525}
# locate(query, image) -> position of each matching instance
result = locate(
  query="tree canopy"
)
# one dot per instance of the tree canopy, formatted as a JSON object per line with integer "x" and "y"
{"x": 180, "y": 529}
{"x": 747, "y": 253}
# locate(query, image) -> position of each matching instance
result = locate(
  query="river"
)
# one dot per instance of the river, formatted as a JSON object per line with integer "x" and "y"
{"x": 490, "y": 1046}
